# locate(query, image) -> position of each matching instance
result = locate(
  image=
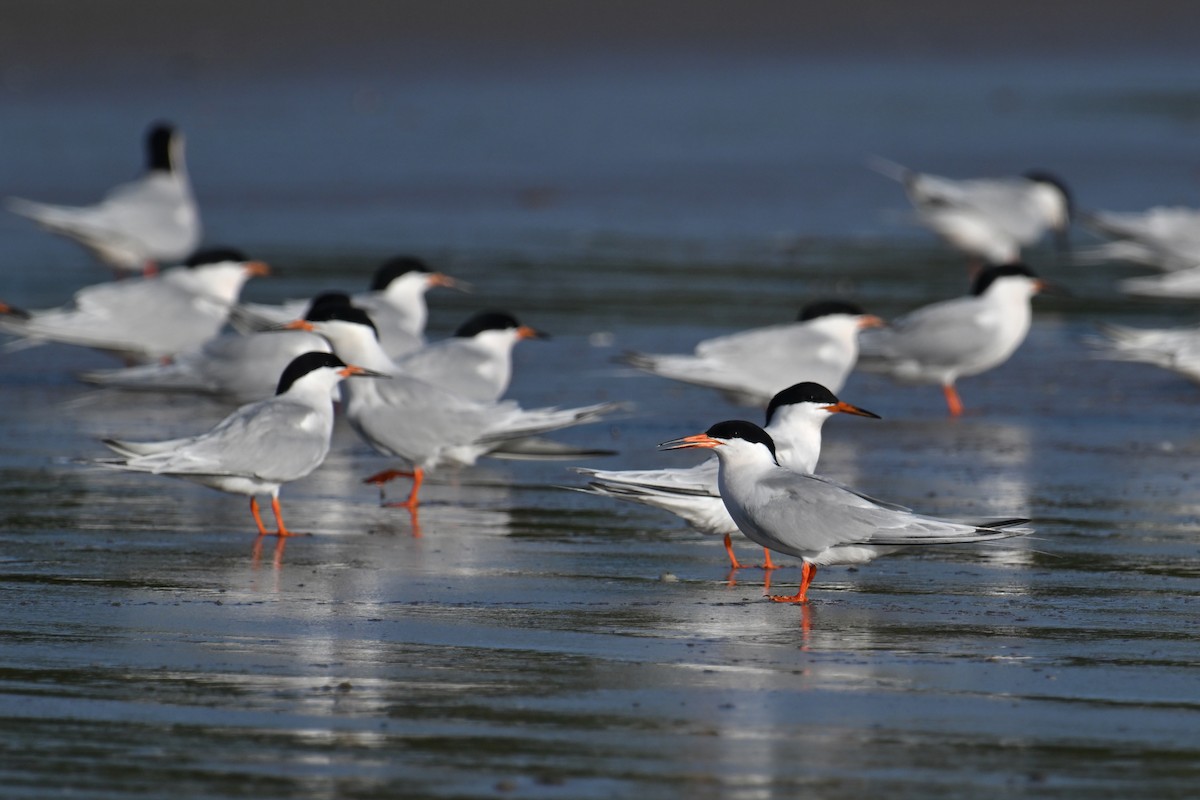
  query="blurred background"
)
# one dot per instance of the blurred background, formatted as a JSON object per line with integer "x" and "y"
{"x": 673, "y": 132}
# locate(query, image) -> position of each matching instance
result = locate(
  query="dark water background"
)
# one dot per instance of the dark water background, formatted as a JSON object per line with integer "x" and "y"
{"x": 626, "y": 178}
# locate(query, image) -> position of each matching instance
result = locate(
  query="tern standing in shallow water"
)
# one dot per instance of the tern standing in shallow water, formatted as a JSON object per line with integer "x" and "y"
{"x": 810, "y": 518}
{"x": 145, "y": 319}
{"x": 991, "y": 219}
{"x": 395, "y": 301}
{"x": 138, "y": 225}
{"x": 794, "y": 420}
{"x": 259, "y": 447}
{"x": 425, "y": 425}
{"x": 942, "y": 342}
{"x": 751, "y": 366}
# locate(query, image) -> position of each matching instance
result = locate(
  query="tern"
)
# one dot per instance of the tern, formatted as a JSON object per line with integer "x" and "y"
{"x": 794, "y": 420}
{"x": 988, "y": 218}
{"x": 942, "y": 342}
{"x": 138, "y": 225}
{"x": 395, "y": 301}
{"x": 1176, "y": 349}
{"x": 423, "y": 424}
{"x": 476, "y": 363}
{"x": 147, "y": 318}
{"x": 1164, "y": 237}
{"x": 260, "y": 446}
{"x": 809, "y": 518}
{"x": 751, "y": 366}
{"x": 233, "y": 365}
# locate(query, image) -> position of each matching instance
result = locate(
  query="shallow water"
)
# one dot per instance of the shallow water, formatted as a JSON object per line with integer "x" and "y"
{"x": 518, "y": 639}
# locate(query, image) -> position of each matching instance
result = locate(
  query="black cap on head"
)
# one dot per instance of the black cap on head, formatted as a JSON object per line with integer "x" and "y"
{"x": 740, "y": 429}
{"x": 331, "y": 312}
{"x": 989, "y": 275}
{"x": 158, "y": 146}
{"x": 487, "y": 321}
{"x": 327, "y": 299}
{"x": 303, "y": 364}
{"x": 823, "y": 308}
{"x": 1042, "y": 176}
{"x": 214, "y": 255}
{"x": 806, "y": 392}
{"x": 395, "y": 267}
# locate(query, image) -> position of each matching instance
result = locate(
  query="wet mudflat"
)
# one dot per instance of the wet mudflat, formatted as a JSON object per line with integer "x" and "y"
{"x": 519, "y": 639}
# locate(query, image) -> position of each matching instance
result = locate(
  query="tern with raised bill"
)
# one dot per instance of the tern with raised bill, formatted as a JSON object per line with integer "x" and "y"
{"x": 795, "y": 417}
{"x": 813, "y": 519}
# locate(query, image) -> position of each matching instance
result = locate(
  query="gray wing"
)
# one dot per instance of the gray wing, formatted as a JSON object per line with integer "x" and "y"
{"x": 811, "y": 515}
{"x": 942, "y": 333}
{"x": 453, "y": 367}
{"x": 273, "y": 440}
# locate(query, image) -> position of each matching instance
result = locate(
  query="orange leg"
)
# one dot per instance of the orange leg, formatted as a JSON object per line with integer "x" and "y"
{"x": 282, "y": 529}
{"x": 768, "y": 564}
{"x": 380, "y": 478}
{"x": 733, "y": 562}
{"x": 262, "y": 529}
{"x": 807, "y": 573}
{"x": 952, "y": 400}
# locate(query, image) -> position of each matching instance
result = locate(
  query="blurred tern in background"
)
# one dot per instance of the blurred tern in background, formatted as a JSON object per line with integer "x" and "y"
{"x": 812, "y": 519}
{"x": 395, "y": 301}
{"x": 138, "y": 225}
{"x": 942, "y": 342}
{"x": 752, "y": 366}
{"x": 425, "y": 425}
{"x": 144, "y": 319}
{"x": 1166, "y": 238}
{"x": 991, "y": 219}
{"x": 259, "y": 447}
{"x": 234, "y": 365}
{"x": 1176, "y": 349}
{"x": 794, "y": 420}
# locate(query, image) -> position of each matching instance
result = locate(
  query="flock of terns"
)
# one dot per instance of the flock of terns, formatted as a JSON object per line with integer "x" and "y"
{"x": 429, "y": 406}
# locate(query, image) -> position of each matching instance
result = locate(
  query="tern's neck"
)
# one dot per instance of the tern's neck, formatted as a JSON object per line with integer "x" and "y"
{"x": 797, "y": 438}
{"x": 362, "y": 349}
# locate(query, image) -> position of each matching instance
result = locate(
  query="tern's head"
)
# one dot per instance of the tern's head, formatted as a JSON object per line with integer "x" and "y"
{"x": 409, "y": 276}
{"x": 227, "y": 256}
{"x": 322, "y": 370}
{"x": 493, "y": 323}
{"x": 1053, "y": 198}
{"x": 812, "y": 400}
{"x": 326, "y": 299}
{"x": 1013, "y": 278}
{"x": 164, "y": 148}
{"x": 348, "y": 328}
{"x": 731, "y": 436}
{"x": 825, "y": 312}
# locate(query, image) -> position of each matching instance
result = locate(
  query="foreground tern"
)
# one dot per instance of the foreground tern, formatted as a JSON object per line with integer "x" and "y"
{"x": 148, "y": 318}
{"x": 988, "y": 218}
{"x": 137, "y": 225}
{"x": 812, "y": 519}
{"x": 794, "y": 420}
{"x": 751, "y": 366}
{"x": 940, "y": 343}
{"x": 425, "y": 425}
{"x": 476, "y": 363}
{"x": 395, "y": 301}
{"x": 234, "y": 365}
{"x": 259, "y": 447}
